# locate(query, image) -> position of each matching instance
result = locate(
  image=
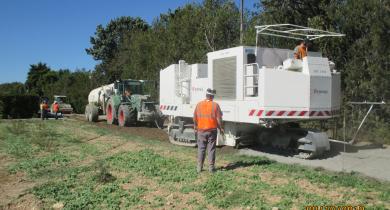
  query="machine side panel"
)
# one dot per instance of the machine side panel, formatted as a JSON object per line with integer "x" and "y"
{"x": 284, "y": 89}
{"x": 225, "y": 70}
{"x": 336, "y": 92}
{"x": 225, "y": 77}
{"x": 320, "y": 92}
{"x": 168, "y": 99}
{"x": 200, "y": 81}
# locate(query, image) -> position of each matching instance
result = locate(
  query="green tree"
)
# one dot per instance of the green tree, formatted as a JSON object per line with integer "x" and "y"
{"x": 220, "y": 24}
{"x": 14, "y": 88}
{"x": 106, "y": 40}
{"x": 36, "y": 78}
{"x": 187, "y": 33}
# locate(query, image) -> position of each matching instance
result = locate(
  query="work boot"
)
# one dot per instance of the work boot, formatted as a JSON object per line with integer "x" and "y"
{"x": 199, "y": 168}
{"x": 212, "y": 169}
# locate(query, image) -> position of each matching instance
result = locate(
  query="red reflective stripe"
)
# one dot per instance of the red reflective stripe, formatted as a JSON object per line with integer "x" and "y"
{"x": 260, "y": 112}
{"x": 320, "y": 114}
{"x": 269, "y": 113}
{"x": 161, "y": 106}
{"x": 291, "y": 113}
{"x": 252, "y": 112}
{"x": 327, "y": 113}
{"x": 302, "y": 113}
{"x": 280, "y": 113}
{"x": 312, "y": 113}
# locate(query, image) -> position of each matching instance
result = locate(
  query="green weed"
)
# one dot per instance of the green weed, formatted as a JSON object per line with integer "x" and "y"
{"x": 159, "y": 201}
{"x": 151, "y": 164}
{"x": 88, "y": 194}
{"x": 223, "y": 191}
{"x": 134, "y": 198}
{"x": 40, "y": 166}
{"x": 103, "y": 174}
{"x": 18, "y": 147}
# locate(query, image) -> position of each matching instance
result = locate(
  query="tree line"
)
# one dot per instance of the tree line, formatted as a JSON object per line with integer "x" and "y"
{"x": 129, "y": 47}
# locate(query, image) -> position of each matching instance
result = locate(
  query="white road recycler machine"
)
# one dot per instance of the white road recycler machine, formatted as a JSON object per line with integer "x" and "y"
{"x": 263, "y": 93}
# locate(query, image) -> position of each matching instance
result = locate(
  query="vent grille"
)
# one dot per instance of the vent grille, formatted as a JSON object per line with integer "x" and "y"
{"x": 224, "y": 77}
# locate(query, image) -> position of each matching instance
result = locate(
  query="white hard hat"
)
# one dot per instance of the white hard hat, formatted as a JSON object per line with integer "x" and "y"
{"x": 210, "y": 91}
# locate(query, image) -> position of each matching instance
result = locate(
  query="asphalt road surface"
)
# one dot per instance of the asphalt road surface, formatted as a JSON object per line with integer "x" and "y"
{"x": 368, "y": 159}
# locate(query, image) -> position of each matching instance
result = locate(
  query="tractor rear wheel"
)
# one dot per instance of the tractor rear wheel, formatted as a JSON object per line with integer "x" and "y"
{"x": 110, "y": 113}
{"x": 93, "y": 113}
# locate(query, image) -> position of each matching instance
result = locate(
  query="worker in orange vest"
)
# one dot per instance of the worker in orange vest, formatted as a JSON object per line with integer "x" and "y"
{"x": 44, "y": 109}
{"x": 56, "y": 109}
{"x": 207, "y": 119}
{"x": 300, "y": 51}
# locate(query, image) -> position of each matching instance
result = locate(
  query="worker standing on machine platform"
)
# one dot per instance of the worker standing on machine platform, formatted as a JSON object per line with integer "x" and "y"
{"x": 300, "y": 51}
{"x": 55, "y": 108}
{"x": 207, "y": 119}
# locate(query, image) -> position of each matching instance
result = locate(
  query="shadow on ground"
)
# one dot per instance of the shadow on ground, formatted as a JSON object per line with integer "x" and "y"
{"x": 244, "y": 164}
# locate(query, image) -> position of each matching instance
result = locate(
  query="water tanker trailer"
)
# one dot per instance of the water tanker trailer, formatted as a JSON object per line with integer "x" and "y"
{"x": 263, "y": 93}
{"x": 123, "y": 102}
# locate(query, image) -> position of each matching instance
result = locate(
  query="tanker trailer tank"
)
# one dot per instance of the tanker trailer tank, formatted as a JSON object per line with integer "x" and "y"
{"x": 97, "y": 100}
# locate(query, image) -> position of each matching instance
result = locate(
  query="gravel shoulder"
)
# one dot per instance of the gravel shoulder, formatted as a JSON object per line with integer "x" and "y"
{"x": 368, "y": 159}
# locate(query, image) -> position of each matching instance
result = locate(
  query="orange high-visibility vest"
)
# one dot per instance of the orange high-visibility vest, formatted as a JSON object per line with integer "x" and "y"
{"x": 56, "y": 107}
{"x": 206, "y": 115}
{"x": 301, "y": 52}
{"x": 44, "y": 106}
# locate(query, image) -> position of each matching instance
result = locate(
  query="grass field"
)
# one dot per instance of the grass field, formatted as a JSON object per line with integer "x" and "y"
{"x": 72, "y": 164}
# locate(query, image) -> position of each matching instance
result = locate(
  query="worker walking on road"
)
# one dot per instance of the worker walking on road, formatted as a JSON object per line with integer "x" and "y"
{"x": 44, "y": 109}
{"x": 56, "y": 109}
{"x": 207, "y": 119}
{"x": 300, "y": 51}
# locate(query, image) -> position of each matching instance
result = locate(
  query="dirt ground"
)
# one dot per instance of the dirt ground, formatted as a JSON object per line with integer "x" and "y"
{"x": 140, "y": 130}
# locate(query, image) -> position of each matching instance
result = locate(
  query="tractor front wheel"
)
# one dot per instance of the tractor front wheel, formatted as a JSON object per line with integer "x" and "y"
{"x": 125, "y": 116}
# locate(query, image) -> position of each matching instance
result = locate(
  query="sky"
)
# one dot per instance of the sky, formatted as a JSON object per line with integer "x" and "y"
{"x": 57, "y": 32}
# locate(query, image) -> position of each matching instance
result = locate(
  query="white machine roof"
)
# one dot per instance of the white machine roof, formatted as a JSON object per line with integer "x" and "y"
{"x": 291, "y": 31}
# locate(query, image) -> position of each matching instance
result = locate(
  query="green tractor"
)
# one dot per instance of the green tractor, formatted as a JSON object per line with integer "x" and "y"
{"x": 124, "y": 103}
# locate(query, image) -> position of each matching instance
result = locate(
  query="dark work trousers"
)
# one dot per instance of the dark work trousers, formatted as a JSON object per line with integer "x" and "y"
{"x": 207, "y": 140}
{"x": 44, "y": 114}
